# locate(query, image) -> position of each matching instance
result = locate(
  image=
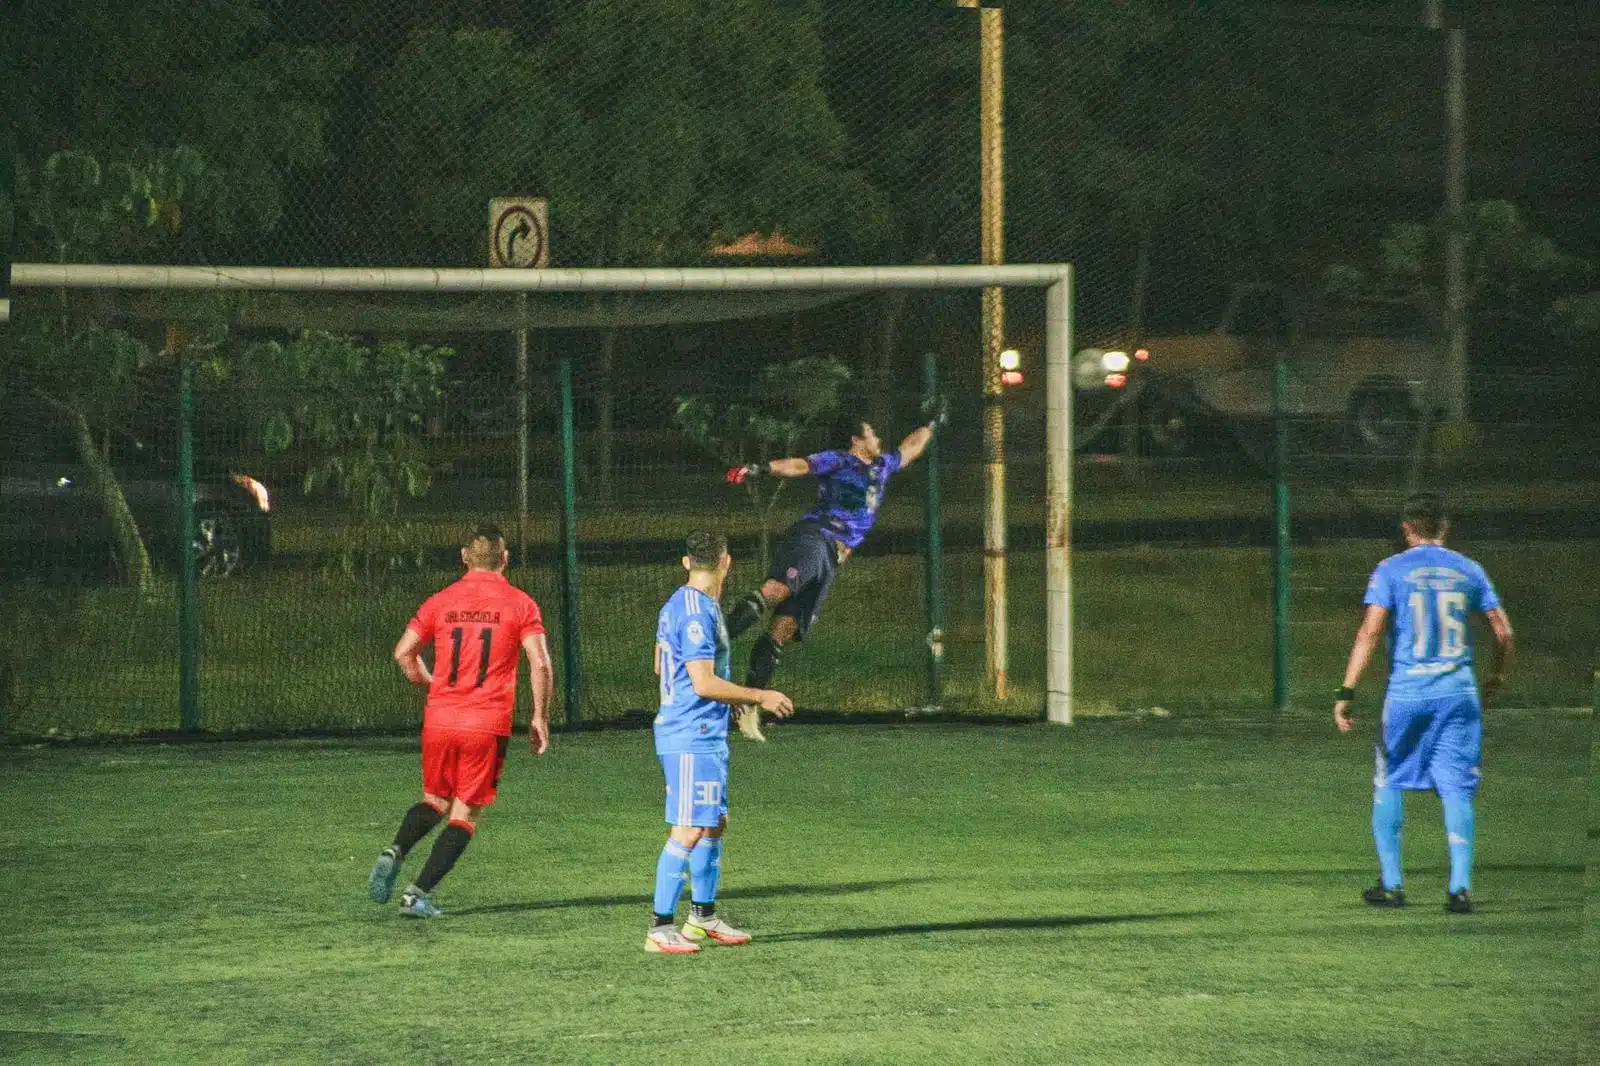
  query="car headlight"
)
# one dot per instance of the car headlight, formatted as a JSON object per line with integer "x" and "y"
{"x": 1114, "y": 362}
{"x": 258, "y": 492}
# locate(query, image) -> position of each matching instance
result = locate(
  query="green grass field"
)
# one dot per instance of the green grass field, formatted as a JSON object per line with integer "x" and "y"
{"x": 1124, "y": 891}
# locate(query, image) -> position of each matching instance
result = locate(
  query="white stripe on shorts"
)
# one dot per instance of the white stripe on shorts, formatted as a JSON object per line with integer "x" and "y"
{"x": 685, "y": 788}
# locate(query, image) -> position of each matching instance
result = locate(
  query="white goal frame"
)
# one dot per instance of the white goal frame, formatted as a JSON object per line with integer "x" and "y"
{"x": 1054, "y": 278}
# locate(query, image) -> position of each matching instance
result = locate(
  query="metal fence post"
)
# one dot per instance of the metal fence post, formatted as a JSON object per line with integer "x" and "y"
{"x": 933, "y": 561}
{"x": 1280, "y": 539}
{"x": 571, "y": 648}
{"x": 188, "y": 578}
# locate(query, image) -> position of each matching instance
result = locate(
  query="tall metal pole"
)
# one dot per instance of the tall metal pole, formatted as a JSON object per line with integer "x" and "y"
{"x": 1280, "y": 539}
{"x": 188, "y": 576}
{"x": 571, "y": 648}
{"x": 1058, "y": 501}
{"x": 933, "y": 560}
{"x": 1455, "y": 206}
{"x": 522, "y": 429}
{"x": 991, "y": 82}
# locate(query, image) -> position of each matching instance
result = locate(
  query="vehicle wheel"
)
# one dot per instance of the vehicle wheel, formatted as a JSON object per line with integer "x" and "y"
{"x": 1168, "y": 429}
{"x": 218, "y": 547}
{"x": 1383, "y": 421}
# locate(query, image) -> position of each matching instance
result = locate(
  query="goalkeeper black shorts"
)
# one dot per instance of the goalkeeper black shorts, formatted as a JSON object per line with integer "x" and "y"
{"x": 805, "y": 562}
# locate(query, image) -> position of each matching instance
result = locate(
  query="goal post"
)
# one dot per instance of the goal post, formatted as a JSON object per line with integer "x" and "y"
{"x": 1054, "y": 279}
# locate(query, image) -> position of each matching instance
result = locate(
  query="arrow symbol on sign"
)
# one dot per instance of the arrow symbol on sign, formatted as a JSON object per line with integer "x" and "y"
{"x": 521, "y": 229}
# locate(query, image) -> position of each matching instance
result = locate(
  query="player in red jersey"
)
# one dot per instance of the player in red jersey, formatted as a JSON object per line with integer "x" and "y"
{"x": 476, "y": 627}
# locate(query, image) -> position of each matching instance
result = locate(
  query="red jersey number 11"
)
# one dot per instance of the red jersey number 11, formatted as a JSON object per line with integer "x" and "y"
{"x": 485, "y": 637}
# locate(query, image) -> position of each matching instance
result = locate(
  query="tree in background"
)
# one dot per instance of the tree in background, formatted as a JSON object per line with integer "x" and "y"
{"x": 791, "y": 399}
{"x": 134, "y": 82}
{"x": 74, "y": 207}
{"x": 358, "y": 413}
{"x": 656, "y": 128}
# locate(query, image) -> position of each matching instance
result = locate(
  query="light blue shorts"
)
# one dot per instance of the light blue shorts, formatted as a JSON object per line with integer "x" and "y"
{"x": 697, "y": 788}
{"x": 1431, "y": 745}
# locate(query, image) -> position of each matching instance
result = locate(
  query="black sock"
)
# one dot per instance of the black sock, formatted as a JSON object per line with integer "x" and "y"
{"x": 764, "y": 660}
{"x": 418, "y": 823}
{"x": 446, "y": 850}
{"x": 702, "y": 910}
{"x": 661, "y": 921}
{"x": 744, "y": 614}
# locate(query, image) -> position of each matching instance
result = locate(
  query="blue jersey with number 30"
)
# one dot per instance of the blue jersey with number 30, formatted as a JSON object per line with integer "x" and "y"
{"x": 690, "y": 628}
{"x": 1431, "y": 592}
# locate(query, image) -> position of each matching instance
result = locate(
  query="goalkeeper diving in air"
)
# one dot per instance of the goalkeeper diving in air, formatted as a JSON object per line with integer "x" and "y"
{"x": 851, "y": 483}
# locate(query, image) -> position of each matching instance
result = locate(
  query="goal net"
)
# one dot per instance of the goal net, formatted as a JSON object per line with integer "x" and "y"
{"x": 346, "y": 428}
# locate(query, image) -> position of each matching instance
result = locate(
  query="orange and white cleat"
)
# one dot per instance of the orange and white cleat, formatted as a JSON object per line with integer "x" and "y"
{"x": 715, "y": 930}
{"x": 666, "y": 940}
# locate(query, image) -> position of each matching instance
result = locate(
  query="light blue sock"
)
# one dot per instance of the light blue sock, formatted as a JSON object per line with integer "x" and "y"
{"x": 1461, "y": 830}
{"x": 670, "y": 868}
{"x": 1388, "y": 815}
{"x": 705, "y": 871}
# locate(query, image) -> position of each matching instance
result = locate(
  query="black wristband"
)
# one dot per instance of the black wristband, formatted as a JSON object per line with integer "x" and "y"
{"x": 1344, "y": 695}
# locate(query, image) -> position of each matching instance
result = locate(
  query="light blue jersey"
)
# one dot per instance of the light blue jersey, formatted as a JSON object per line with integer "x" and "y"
{"x": 1431, "y": 592}
{"x": 690, "y": 628}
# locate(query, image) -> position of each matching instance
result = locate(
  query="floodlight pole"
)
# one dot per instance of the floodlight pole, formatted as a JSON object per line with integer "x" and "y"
{"x": 991, "y": 94}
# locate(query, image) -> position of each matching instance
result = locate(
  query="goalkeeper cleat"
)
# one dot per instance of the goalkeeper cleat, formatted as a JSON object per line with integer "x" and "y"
{"x": 1378, "y": 896}
{"x": 666, "y": 940}
{"x": 380, "y": 883}
{"x": 1458, "y": 902}
{"x": 715, "y": 930}
{"x": 750, "y": 723}
{"x": 414, "y": 904}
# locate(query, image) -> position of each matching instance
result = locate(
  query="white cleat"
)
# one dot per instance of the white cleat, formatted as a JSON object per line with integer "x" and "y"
{"x": 715, "y": 930}
{"x": 750, "y": 723}
{"x": 666, "y": 940}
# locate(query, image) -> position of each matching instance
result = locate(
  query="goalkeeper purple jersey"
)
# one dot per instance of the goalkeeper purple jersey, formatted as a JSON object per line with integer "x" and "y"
{"x": 849, "y": 493}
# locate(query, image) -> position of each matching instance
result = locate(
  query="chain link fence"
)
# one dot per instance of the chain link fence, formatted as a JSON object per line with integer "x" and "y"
{"x": 1233, "y": 182}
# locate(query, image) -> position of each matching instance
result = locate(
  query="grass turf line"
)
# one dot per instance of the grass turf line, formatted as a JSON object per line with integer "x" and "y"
{"x": 1125, "y": 891}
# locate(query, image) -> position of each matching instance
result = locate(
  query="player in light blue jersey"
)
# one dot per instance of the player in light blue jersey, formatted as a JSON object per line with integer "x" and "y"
{"x": 691, "y": 729}
{"x": 851, "y": 485}
{"x": 1432, "y": 716}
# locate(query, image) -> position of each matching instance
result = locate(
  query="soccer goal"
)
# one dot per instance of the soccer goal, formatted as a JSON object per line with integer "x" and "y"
{"x": 598, "y": 454}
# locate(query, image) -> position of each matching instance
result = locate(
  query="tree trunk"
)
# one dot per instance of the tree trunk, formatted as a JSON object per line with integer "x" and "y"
{"x": 133, "y": 559}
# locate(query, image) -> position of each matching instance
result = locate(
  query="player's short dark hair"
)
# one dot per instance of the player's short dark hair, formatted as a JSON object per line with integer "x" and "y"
{"x": 705, "y": 550}
{"x": 853, "y": 424}
{"x": 485, "y": 547}
{"x": 484, "y": 531}
{"x": 1424, "y": 513}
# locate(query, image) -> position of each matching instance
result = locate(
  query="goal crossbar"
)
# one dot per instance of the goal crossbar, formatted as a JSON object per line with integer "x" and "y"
{"x": 1055, "y": 278}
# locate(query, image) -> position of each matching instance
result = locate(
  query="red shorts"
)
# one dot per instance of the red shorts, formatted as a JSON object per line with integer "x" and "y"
{"x": 462, "y": 764}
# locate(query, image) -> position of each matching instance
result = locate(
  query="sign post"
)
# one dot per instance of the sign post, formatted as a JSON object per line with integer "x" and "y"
{"x": 519, "y": 229}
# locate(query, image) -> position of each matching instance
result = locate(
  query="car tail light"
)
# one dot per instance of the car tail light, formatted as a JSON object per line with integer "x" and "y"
{"x": 1116, "y": 381}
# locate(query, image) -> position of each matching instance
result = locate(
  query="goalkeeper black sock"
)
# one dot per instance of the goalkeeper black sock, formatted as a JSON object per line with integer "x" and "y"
{"x": 764, "y": 660}
{"x": 746, "y": 613}
{"x": 446, "y": 850}
{"x": 418, "y": 823}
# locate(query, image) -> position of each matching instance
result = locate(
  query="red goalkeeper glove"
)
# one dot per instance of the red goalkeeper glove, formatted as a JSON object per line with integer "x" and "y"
{"x": 739, "y": 474}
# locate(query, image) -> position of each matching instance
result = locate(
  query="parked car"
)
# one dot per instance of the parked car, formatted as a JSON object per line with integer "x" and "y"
{"x": 1361, "y": 363}
{"x": 46, "y": 501}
